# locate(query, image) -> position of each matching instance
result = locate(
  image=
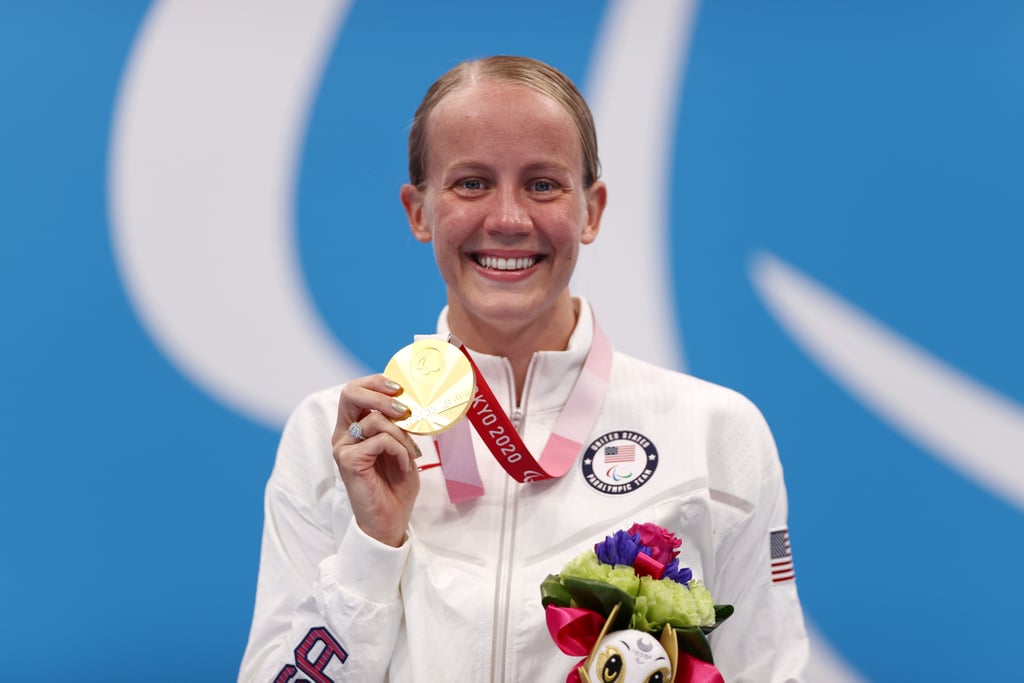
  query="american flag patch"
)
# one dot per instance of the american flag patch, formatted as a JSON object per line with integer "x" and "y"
{"x": 782, "y": 556}
{"x": 614, "y": 454}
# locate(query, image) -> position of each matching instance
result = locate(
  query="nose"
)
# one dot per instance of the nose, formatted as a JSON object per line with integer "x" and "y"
{"x": 509, "y": 213}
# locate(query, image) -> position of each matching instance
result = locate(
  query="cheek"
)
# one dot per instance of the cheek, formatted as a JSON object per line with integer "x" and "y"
{"x": 569, "y": 240}
{"x": 447, "y": 252}
{"x": 447, "y": 240}
{"x": 453, "y": 223}
{"x": 570, "y": 222}
{"x": 443, "y": 250}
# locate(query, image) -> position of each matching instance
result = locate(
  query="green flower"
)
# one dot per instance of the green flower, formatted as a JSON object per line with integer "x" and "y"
{"x": 705, "y": 604}
{"x": 659, "y": 602}
{"x": 587, "y": 566}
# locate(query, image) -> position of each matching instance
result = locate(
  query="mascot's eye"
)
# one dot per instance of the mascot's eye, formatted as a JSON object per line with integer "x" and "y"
{"x": 612, "y": 669}
{"x": 657, "y": 677}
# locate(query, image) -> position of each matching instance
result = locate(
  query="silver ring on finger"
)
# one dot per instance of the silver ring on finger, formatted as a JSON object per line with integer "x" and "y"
{"x": 355, "y": 430}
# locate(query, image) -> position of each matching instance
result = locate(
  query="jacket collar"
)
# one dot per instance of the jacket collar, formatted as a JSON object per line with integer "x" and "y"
{"x": 551, "y": 374}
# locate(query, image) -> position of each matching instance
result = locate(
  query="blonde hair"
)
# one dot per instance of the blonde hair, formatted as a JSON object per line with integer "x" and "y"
{"x": 531, "y": 73}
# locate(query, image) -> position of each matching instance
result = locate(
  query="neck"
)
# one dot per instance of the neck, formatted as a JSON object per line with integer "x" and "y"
{"x": 516, "y": 341}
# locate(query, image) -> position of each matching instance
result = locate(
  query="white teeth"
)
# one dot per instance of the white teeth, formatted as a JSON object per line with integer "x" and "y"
{"x": 497, "y": 263}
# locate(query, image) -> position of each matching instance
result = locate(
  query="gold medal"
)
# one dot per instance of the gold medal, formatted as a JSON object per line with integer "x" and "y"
{"x": 437, "y": 382}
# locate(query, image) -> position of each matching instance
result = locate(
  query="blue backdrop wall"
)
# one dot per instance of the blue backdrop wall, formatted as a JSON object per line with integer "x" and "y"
{"x": 815, "y": 203}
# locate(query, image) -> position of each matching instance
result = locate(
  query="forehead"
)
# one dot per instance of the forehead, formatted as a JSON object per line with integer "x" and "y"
{"x": 490, "y": 117}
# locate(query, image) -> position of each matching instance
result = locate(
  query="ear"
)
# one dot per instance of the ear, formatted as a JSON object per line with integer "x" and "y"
{"x": 597, "y": 197}
{"x": 671, "y": 645}
{"x": 412, "y": 200}
{"x": 600, "y": 636}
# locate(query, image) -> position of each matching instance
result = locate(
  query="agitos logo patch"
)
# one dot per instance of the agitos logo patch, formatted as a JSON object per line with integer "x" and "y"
{"x": 619, "y": 462}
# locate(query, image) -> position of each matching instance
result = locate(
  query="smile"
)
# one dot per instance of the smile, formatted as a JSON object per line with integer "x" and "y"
{"x": 498, "y": 263}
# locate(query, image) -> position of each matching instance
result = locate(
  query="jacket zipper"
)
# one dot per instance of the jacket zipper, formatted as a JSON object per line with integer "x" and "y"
{"x": 503, "y": 581}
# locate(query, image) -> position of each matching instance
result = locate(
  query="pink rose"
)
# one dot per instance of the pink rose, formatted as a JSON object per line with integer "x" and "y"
{"x": 662, "y": 542}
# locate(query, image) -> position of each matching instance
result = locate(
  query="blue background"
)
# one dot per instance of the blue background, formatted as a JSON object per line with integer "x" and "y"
{"x": 875, "y": 146}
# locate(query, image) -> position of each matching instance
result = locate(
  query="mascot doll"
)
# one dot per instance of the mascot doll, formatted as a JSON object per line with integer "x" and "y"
{"x": 632, "y": 613}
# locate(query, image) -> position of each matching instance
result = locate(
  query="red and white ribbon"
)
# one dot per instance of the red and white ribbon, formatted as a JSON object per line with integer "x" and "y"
{"x": 573, "y": 426}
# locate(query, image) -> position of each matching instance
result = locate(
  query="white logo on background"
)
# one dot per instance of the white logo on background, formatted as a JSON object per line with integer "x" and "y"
{"x": 205, "y": 145}
{"x": 973, "y": 429}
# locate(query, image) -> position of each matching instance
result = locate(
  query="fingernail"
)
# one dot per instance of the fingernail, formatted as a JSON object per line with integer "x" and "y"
{"x": 399, "y": 407}
{"x": 392, "y": 385}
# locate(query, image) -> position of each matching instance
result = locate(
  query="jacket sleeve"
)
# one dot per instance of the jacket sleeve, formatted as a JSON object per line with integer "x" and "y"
{"x": 328, "y": 606}
{"x": 765, "y": 641}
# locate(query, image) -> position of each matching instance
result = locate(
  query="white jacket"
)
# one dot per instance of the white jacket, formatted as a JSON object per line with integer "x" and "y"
{"x": 460, "y": 600}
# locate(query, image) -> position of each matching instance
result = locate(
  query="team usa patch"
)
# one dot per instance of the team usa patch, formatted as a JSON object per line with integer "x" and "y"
{"x": 782, "y": 556}
{"x": 619, "y": 462}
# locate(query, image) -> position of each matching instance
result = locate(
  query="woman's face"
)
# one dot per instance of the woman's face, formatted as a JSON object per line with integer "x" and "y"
{"x": 504, "y": 203}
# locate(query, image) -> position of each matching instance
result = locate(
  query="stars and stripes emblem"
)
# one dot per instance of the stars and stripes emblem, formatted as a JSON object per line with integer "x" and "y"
{"x": 619, "y": 462}
{"x": 614, "y": 454}
{"x": 781, "y": 556}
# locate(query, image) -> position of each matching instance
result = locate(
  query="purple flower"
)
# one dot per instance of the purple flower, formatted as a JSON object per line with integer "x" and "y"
{"x": 620, "y": 548}
{"x": 676, "y": 573}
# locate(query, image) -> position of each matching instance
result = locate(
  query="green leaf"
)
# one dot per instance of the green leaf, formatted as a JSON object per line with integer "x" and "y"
{"x": 552, "y": 592}
{"x": 692, "y": 640}
{"x": 722, "y": 612}
{"x": 600, "y": 597}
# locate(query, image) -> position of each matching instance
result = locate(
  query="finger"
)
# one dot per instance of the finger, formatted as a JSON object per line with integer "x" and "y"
{"x": 360, "y": 397}
{"x": 376, "y": 393}
{"x": 379, "y": 383}
{"x": 356, "y": 432}
{"x": 376, "y": 448}
{"x": 376, "y": 423}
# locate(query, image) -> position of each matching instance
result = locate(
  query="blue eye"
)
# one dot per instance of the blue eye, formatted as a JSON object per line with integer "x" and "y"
{"x": 542, "y": 186}
{"x": 472, "y": 184}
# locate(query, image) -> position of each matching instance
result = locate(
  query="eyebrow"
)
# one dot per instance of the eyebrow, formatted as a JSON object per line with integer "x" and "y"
{"x": 546, "y": 165}
{"x": 534, "y": 167}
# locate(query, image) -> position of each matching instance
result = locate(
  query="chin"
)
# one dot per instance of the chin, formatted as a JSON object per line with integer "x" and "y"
{"x": 500, "y": 310}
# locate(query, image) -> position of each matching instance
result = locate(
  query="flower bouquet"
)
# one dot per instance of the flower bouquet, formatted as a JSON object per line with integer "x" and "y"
{"x": 633, "y": 612}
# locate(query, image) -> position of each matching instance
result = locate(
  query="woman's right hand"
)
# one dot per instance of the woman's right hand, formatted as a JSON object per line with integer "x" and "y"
{"x": 378, "y": 469}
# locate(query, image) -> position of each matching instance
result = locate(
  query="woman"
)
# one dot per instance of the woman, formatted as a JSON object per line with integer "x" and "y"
{"x": 373, "y": 570}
